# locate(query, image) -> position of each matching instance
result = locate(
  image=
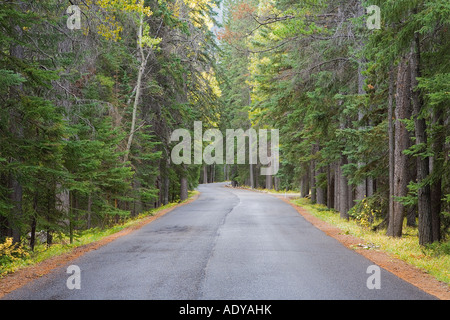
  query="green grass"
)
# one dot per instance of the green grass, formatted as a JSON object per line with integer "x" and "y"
{"x": 62, "y": 245}
{"x": 434, "y": 259}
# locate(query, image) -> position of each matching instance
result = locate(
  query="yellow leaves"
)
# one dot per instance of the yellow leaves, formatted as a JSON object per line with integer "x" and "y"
{"x": 266, "y": 7}
{"x": 147, "y": 40}
{"x": 110, "y": 28}
{"x": 198, "y": 3}
{"x": 10, "y": 252}
{"x": 196, "y": 12}
{"x": 175, "y": 8}
{"x": 5, "y": 246}
{"x": 265, "y": 61}
{"x": 125, "y": 6}
{"x": 257, "y": 63}
{"x": 211, "y": 79}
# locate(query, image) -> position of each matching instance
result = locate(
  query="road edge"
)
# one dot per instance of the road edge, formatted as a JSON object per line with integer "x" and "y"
{"x": 28, "y": 274}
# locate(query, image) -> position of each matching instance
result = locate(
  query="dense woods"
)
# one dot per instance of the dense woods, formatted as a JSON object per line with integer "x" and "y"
{"x": 87, "y": 113}
{"x": 363, "y": 112}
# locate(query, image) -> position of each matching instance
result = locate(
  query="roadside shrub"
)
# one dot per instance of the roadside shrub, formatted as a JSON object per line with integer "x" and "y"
{"x": 10, "y": 253}
{"x": 367, "y": 211}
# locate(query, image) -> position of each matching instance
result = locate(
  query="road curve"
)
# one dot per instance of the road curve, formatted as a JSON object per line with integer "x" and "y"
{"x": 229, "y": 244}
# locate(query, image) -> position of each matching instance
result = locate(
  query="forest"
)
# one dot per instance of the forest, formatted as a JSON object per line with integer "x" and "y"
{"x": 91, "y": 91}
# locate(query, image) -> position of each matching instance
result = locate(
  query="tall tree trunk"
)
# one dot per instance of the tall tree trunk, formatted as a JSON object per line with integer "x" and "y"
{"x": 276, "y": 183}
{"x": 312, "y": 175}
{"x": 390, "y": 215}
{"x": 89, "y": 211}
{"x": 344, "y": 196}
{"x": 423, "y": 164}
{"x": 269, "y": 177}
{"x": 330, "y": 187}
{"x": 269, "y": 182}
{"x": 320, "y": 192}
{"x": 205, "y": 174}
{"x": 16, "y": 211}
{"x": 137, "y": 204}
{"x": 16, "y": 128}
{"x": 165, "y": 182}
{"x": 250, "y": 150}
{"x": 184, "y": 184}
{"x": 337, "y": 180}
{"x": 436, "y": 164}
{"x": 225, "y": 172}
{"x": 34, "y": 221}
{"x": 137, "y": 96}
{"x": 350, "y": 195}
{"x": 213, "y": 172}
{"x": 257, "y": 175}
{"x": 401, "y": 143}
{"x": 361, "y": 188}
{"x": 166, "y": 185}
{"x": 343, "y": 191}
{"x": 304, "y": 184}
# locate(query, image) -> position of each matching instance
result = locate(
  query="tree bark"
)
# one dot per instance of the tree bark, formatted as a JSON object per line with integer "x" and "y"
{"x": 343, "y": 191}
{"x": 304, "y": 184}
{"x": 34, "y": 221}
{"x": 205, "y": 174}
{"x": 330, "y": 187}
{"x": 361, "y": 188}
{"x": 138, "y": 87}
{"x": 16, "y": 128}
{"x": 312, "y": 175}
{"x": 89, "y": 211}
{"x": 423, "y": 164}
{"x": 184, "y": 188}
{"x": 436, "y": 164}
{"x": 213, "y": 172}
{"x": 401, "y": 143}
{"x": 344, "y": 195}
{"x": 390, "y": 216}
{"x": 337, "y": 177}
{"x": 320, "y": 192}
{"x": 269, "y": 182}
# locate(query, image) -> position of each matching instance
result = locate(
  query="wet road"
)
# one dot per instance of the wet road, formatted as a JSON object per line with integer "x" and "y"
{"x": 228, "y": 244}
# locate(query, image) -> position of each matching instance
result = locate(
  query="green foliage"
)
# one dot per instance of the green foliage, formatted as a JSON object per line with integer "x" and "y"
{"x": 323, "y": 80}
{"x": 67, "y": 107}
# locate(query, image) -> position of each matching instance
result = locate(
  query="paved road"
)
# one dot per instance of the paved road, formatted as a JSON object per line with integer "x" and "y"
{"x": 228, "y": 244}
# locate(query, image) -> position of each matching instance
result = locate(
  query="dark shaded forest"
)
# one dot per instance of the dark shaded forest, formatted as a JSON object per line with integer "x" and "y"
{"x": 91, "y": 91}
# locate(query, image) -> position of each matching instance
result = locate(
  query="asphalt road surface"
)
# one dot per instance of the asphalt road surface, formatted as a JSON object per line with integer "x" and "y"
{"x": 229, "y": 244}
